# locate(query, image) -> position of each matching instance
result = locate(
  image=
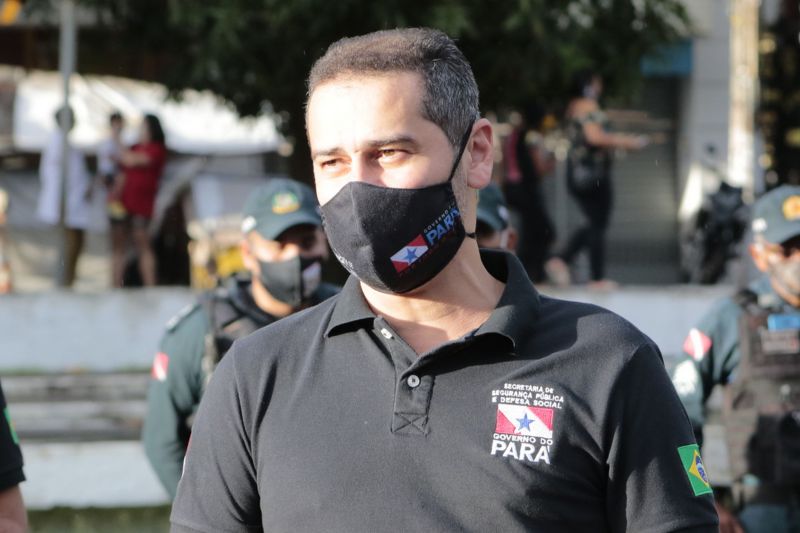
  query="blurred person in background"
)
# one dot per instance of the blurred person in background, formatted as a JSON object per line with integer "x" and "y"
{"x": 6, "y": 282}
{"x": 136, "y": 187}
{"x": 283, "y": 248}
{"x": 13, "y": 517}
{"x": 494, "y": 229}
{"x": 750, "y": 344}
{"x": 527, "y": 164}
{"x": 76, "y": 198}
{"x": 108, "y": 164}
{"x": 589, "y": 178}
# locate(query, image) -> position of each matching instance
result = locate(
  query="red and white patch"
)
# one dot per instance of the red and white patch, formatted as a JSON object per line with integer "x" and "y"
{"x": 697, "y": 344}
{"x": 524, "y": 420}
{"x": 160, "y": 365}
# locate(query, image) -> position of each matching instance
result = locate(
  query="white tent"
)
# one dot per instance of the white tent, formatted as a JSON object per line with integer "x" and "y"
{"x": 198, "y": 123}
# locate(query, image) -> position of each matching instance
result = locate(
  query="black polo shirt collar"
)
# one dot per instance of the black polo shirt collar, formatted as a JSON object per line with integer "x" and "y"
{"x": 516, "y": 310}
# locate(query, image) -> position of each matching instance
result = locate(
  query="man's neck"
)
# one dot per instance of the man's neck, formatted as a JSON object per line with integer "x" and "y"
{"x": 268, "y": 303}
{"x": 455, "y": 302}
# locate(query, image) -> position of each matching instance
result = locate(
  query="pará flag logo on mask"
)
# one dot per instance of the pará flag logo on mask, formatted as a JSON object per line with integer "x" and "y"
{"x": 408, "y": 254}
{"x": 524, "y": 420}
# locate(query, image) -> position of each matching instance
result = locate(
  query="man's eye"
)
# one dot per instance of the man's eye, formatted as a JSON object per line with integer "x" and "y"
{"x": 329, "y": 163}
{"x": 390, "y": 153}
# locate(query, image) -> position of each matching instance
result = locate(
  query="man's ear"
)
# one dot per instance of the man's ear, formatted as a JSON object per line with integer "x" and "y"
{"x": 481, "y": 151}
{"x": 759, "y": 255}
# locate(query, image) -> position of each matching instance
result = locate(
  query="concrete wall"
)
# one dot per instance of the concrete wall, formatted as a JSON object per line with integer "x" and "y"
{"x": 61, "y": 330}
{"x": 114, "y": 330}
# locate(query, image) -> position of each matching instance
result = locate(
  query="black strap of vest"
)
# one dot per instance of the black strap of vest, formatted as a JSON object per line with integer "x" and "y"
{"x": 747, "y": 300}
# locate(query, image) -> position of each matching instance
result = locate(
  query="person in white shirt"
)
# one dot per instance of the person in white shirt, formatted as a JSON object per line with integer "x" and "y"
{"x": 108, "y": 167}
{"x": 76, "y": 198}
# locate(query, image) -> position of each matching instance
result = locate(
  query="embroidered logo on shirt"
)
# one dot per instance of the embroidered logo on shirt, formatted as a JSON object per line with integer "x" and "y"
{"x": 524, "y": 422}
{"x": 160, "y": 365}
{"x": 697, "y": 344}
{"x": 695, "y": 471}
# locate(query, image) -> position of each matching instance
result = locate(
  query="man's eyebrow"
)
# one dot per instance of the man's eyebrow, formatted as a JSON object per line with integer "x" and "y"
{"x": 399, "y": 139}
{"x": 376, "y": 143}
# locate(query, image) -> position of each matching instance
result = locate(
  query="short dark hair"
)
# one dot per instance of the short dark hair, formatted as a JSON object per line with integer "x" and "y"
{"x": 114, "y": 117}
{"x": 451, "y": 95}
{"x": 581, "y": 79}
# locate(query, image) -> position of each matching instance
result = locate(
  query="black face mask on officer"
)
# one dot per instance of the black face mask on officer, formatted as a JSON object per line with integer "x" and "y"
{"x": 395, "y": 240}
{"x": 293, "y": 281}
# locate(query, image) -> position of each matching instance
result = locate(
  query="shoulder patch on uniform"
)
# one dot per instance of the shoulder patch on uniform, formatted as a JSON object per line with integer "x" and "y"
{"x": 697, "y": 344}
{"x": 695, "y": 471}
{"x": 173, "y": 322}
{"x": 685, "y": 378}
{"x": 160, "y": 367}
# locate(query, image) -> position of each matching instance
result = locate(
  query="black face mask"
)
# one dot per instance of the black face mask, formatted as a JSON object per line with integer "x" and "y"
{"x": 395, "y": 240}
{"x": 293, "y": 281}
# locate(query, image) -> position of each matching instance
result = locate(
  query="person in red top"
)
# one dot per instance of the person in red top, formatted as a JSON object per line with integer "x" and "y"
{"x": 136, "y": 189}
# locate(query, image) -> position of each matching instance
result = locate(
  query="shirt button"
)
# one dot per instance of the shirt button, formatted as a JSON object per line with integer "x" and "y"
{"x": 386, "y": 333}
{"x": 413, "y": 381}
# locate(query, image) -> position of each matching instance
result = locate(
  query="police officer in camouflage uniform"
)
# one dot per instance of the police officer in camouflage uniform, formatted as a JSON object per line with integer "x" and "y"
{"x": 750, "y": 344}
{"x": 282, "y": 248}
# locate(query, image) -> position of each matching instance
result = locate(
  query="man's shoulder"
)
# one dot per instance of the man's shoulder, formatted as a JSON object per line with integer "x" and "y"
{"x": 587, "y": 337}
{"x": 590, "y": 322}
{"x": 188, "y": 318}
{"x": 288, "y": 336}
{"x": 724, "y": 313}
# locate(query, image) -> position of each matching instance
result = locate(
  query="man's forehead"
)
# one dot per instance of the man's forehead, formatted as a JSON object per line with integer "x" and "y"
{"x": 360, "y": 79}
{"x": 366, "y": 109}
{"x": 369, "y": 89}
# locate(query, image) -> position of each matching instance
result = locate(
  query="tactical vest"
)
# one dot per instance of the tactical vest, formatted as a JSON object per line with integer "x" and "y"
{"x": 228, "y": 319}
{"x": 762, "y": 404}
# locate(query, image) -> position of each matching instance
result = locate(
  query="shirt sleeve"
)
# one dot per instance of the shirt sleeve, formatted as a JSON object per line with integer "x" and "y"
{"x": 10, "y": 454}
{"x": 710, "y": 354}
{"x": 218, "y": 490}
{"x": 651, "y": 486}
{"x": 172, "y": 397}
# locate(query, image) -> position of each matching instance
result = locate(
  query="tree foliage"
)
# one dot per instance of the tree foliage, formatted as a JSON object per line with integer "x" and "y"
{"x": 257, "y": 53}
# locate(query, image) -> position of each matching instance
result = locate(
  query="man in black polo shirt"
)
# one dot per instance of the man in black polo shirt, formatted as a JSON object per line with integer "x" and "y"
{"x": 438, "y": 391}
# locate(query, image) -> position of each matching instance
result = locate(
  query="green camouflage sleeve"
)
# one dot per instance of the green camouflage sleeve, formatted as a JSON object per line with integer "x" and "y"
{"x": 709, "y": 357}
{"x": 173, "y": 396}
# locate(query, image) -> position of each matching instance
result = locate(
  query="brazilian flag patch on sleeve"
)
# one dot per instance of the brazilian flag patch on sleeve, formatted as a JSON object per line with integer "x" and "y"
{"x": 695, "y": 471}
{"x": 11, "y": 426}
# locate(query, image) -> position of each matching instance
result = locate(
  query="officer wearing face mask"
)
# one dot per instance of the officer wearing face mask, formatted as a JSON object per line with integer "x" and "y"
{"x": 493, "y": 229}
{"x": 283, "y": 247}
{"x": 750, "y": 343}
{"x": 438, "y": 391}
